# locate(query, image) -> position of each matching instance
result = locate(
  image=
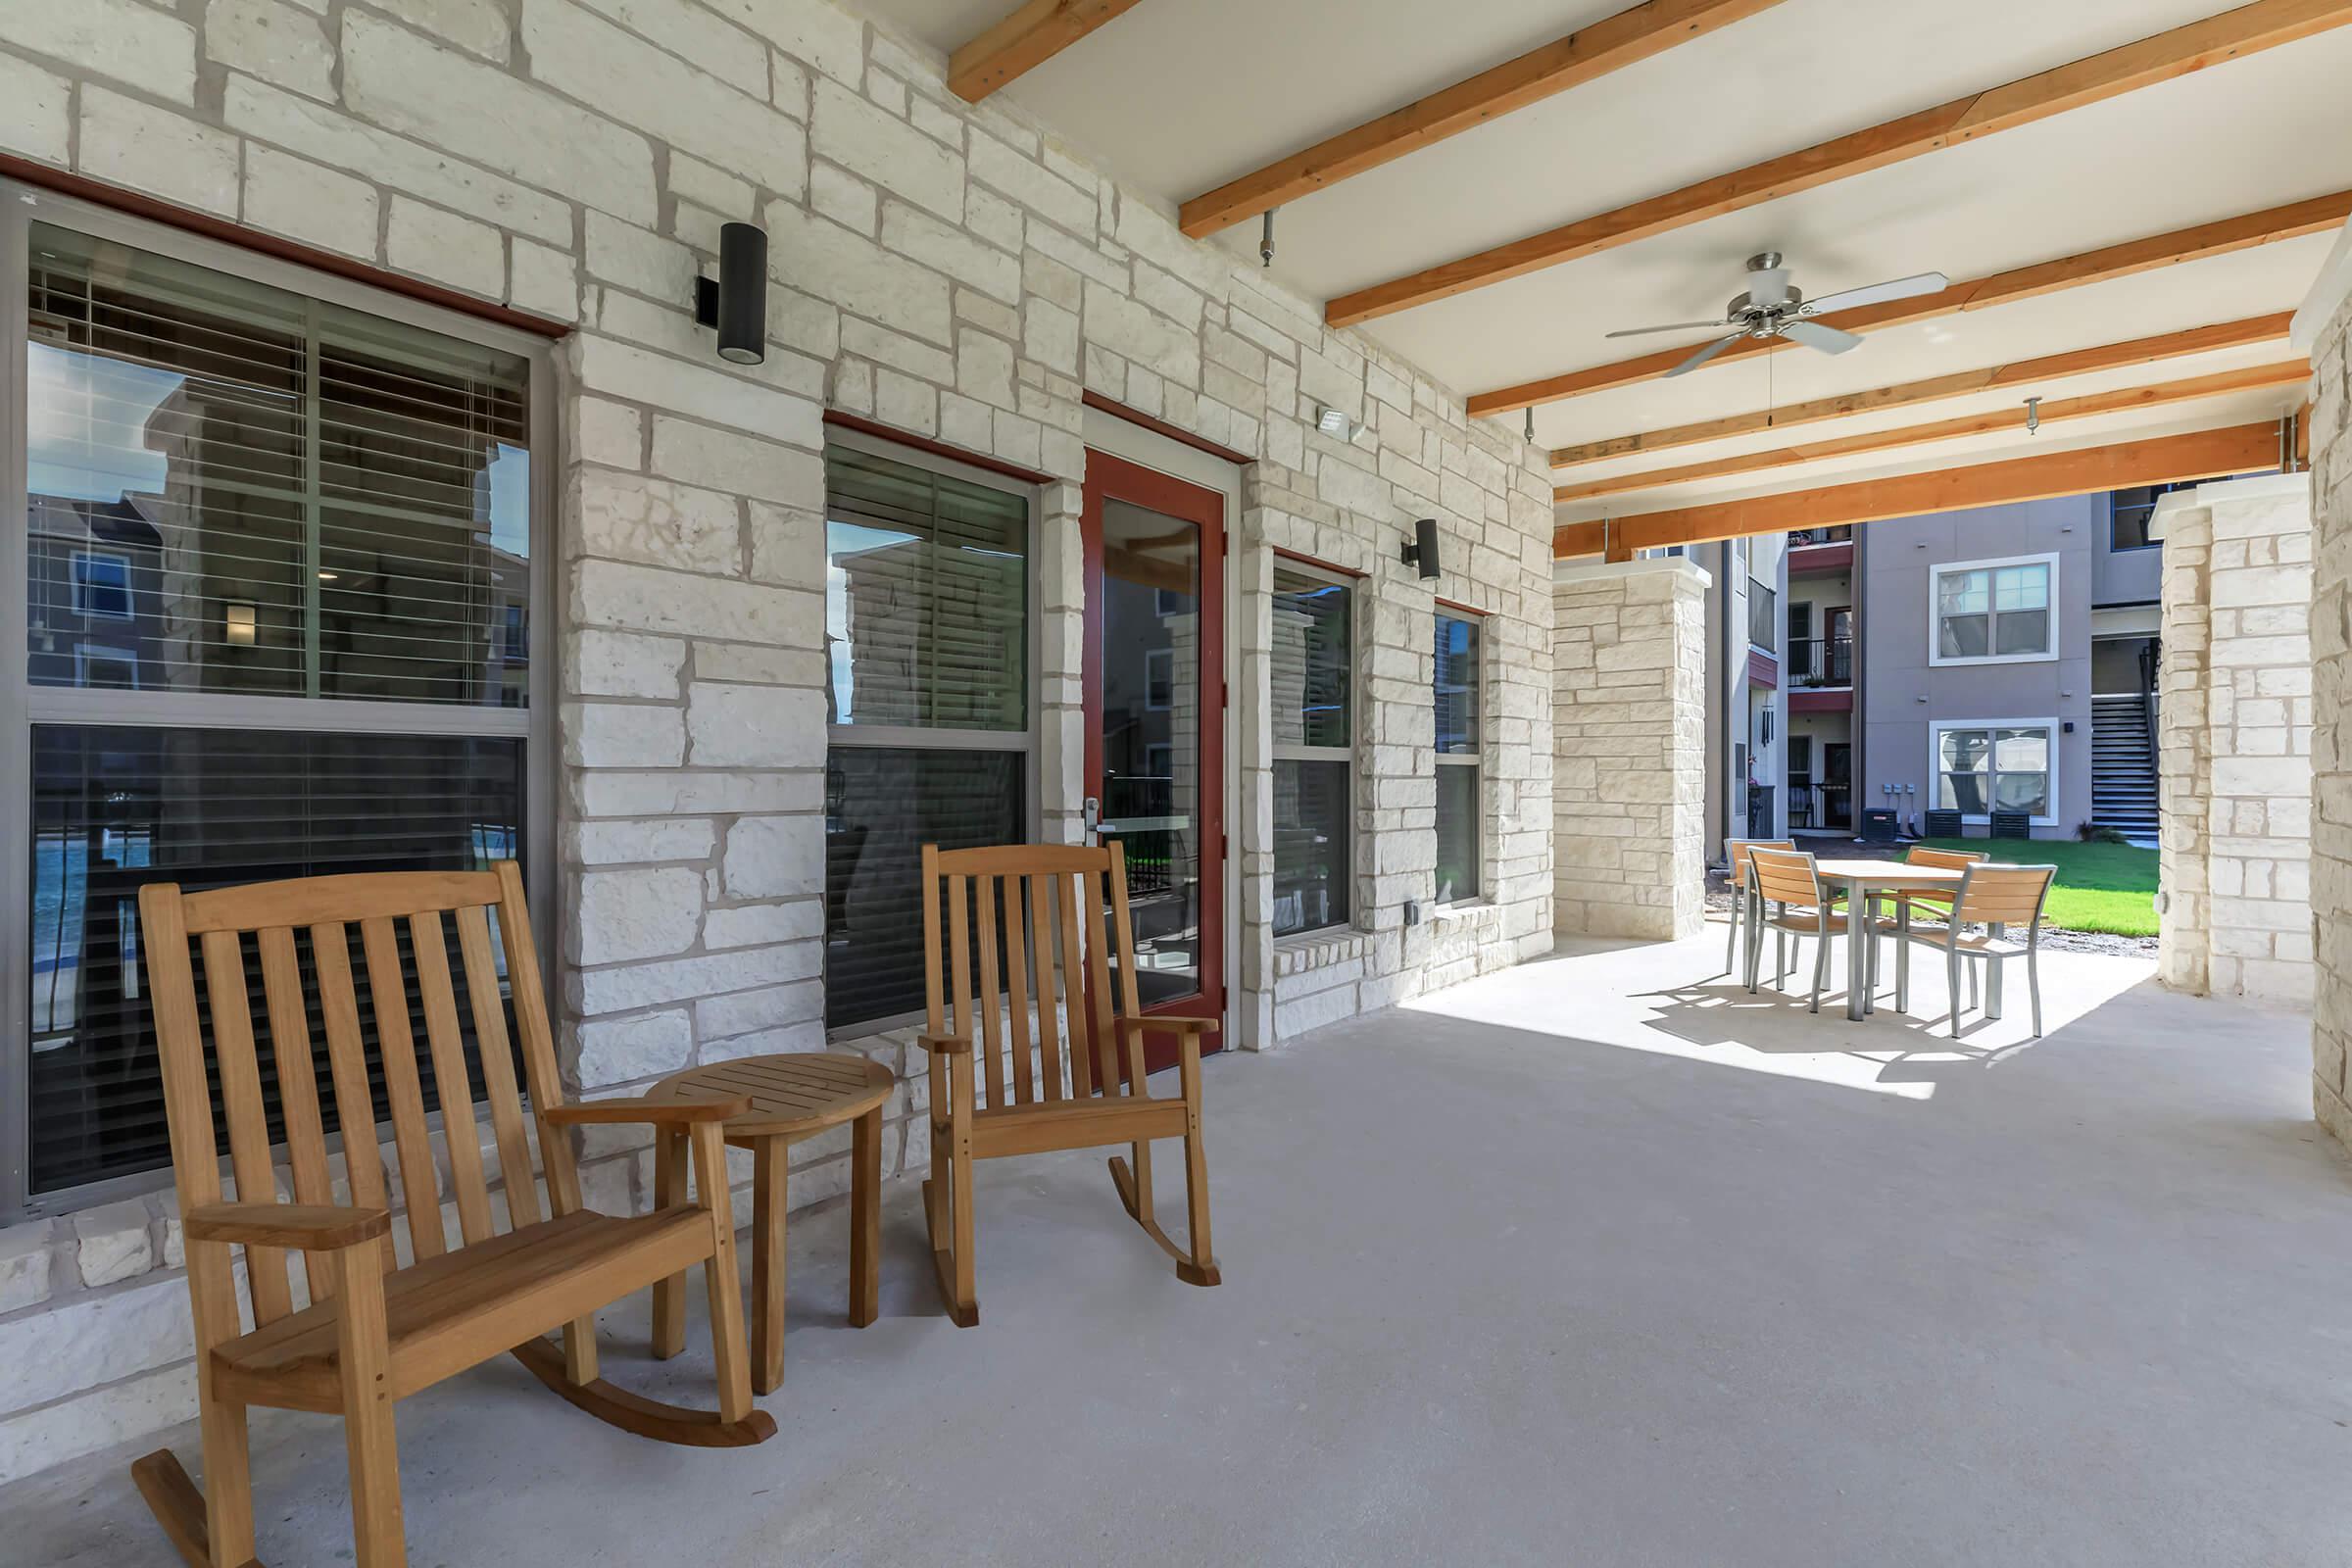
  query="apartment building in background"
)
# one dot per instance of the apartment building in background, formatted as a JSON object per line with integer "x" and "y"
{"x": 1992, "y": 662}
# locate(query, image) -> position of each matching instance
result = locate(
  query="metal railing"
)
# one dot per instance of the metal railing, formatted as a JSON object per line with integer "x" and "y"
{"x": 1798, "y": 538}
{"x": 1821, "y": 806}
{"x": 1763, "y": 615}
{"x": 1821, "y": 661}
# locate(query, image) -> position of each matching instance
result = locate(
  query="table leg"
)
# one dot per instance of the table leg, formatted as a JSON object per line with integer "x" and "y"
{"x": 770, "y": 1166}
{"x": 865, "y": 1218}
{"x": 1992, "y": 974}
{"x": 1858, "y": 986}
{"x": 670, "y": 1190}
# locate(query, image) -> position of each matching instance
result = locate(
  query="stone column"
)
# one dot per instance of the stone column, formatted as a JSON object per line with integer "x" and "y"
{"x": 2235, "y": 727}
{"x": 1629, "y": 743}
{"x": 2323, "y": 328}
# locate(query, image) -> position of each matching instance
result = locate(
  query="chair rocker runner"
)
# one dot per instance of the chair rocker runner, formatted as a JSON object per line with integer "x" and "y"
{"x": 375, "y": 1332}
{"x": 1017, "y": 894}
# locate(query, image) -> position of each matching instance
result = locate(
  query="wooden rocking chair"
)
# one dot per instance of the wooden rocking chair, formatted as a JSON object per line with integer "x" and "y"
{"x": 1033, "y": 1112}
{"x": 375, "y": 1332}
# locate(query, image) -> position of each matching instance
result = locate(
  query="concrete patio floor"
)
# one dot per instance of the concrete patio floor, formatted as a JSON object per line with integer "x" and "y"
{"x": 1599, "y": 1261}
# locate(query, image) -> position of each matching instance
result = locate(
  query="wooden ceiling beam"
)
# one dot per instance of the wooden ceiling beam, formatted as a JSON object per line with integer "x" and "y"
{"x": 2188, "y": 389}
{"x": 1963, "y": 383}
{"x": 2164, "y": 460}
{"x": 1023, "y": 41}
{"x": 2248, "y": 29}
{"x": 1592, "y": 52}
{"x": 2321, "y": 214}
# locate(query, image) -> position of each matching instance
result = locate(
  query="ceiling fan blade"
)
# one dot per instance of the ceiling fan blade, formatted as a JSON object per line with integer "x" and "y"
{"x": 1814, "y": 335}
{"x": 1898, "y": 288}
{"x": 1678, "y": 326}
{"x": 1706, "y": 354}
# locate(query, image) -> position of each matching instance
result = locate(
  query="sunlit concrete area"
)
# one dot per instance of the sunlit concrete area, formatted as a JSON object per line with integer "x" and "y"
{"x": 1581, "y": 1262}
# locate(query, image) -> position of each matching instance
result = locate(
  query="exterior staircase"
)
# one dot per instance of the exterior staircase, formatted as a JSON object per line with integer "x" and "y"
{"x": 2122, "y": 769}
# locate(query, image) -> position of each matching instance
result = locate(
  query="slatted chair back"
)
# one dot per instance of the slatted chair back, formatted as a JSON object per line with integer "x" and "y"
{"x": 1738, "y": 849}
{"x": 1012, "y": 919}
{"x": 1944, "y": 860}
{"x": 309, "y": 927}
{"x": 2003, "y": 895}
{"x": 1786, "y": 876}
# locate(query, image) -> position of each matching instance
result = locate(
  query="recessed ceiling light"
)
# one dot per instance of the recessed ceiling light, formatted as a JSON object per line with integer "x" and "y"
{"x": 326, "y": 576}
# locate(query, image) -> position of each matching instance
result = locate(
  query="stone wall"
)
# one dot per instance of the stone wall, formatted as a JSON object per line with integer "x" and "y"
{"x": 2234, "y": 739}
{"x": 948, "y": 271}
{"x": 2324, "y": 331}
{"x": 1629, "y": 737}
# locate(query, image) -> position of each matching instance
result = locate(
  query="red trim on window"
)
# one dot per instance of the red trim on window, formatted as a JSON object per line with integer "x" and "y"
{"x": 937, "y": 449}
{"x": 229, "y": 233}
{"x": 1198, "y": 443}
{"x": 1462, "y": 609}
{"x": 1762, "y": 669}
{"x": 1836, "y": 700}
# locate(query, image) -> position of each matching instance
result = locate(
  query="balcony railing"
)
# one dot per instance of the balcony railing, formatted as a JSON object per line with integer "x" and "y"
{"x": 1820, "y": 805}
{"x": 1763, "y": 614}
{"x": 1798, "y": 538}
{"x": 1821, "y": 661}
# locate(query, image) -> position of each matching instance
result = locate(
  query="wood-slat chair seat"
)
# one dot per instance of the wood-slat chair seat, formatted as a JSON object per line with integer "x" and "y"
{"x": 374, "y": 1332}
{"x": 1991, "y": 901}
{"x": 440, "y": 1313}
{"x": 992, "y": 1097}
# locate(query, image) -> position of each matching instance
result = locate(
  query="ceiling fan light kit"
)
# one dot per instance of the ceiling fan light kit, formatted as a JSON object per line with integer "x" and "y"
{"x": 1775, "y": 307}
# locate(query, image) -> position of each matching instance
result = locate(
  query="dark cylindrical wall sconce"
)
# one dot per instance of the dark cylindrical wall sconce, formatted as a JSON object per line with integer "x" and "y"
{"x": 1423, "y": 551}
{"x": 736, "y": 302}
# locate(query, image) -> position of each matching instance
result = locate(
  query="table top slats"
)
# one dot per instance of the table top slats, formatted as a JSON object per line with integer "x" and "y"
{"x": 793, "y": 1095}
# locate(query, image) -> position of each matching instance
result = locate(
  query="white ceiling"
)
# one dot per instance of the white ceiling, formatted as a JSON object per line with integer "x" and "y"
{"x": 1177, "y": 96}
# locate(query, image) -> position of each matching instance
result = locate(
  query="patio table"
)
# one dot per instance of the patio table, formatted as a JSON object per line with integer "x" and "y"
{"x": 792, "y": 1095}
{"x": 1862, "y": 879}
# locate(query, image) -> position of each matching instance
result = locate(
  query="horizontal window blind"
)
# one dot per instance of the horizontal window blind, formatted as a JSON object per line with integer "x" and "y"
{"x": 311, "y": 501}
{"x": 883, "y": 804}
{"x": 116, "y": 808}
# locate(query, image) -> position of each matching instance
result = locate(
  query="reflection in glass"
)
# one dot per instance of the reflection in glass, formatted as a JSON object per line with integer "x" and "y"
{"x": 1151, "y": 659}
{"x": 1310, "y": 846}
{"x": 882, "y": 806}
{"x": 926, "y": 598}
{"x": 1457, "y": 701}
{"x": 1458, "y": 833}
{"x": 113, "y": 808}
{"x": 1311, "y": 670}
{"x": 358, "y": 489}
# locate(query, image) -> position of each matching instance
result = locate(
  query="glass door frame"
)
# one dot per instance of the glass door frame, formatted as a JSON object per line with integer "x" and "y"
{"x": 1109, "y": 477}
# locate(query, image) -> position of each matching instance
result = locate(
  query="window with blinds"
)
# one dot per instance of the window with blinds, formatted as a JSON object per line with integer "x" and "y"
{"x": 927, "y": 607}
{"x": 1312, "y": 680}
{"x": 310, "y": 528}
{"x": 1456, "y": 698}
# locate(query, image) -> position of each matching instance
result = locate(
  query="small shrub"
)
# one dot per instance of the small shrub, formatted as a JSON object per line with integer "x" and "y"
{"x": 2094, "y": 833}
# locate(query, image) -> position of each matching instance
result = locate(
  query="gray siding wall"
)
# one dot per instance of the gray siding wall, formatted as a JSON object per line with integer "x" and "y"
{"x": 1903, "y": 691}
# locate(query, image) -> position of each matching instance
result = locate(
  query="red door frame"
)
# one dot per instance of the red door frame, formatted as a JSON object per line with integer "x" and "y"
{"x": 1109, "y": 478}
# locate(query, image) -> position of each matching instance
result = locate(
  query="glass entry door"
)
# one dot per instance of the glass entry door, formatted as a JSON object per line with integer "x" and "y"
{"x": 1155, "y": 724}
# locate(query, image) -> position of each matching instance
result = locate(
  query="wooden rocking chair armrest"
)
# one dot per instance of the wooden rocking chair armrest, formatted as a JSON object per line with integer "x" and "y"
{"x": 655, "y": 1113}
{"x": 305, "y": 1226}
{"x": 944, "y": 1045}
{"x": 1173, "y": 1021}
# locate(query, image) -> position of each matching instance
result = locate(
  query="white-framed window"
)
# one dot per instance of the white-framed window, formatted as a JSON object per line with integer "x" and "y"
{"x": 1984, "y": 766}
{"x": 101, "y": 585}
{"x": 930, "y": 638}
{"x": 1312, "y": 681}
{"x": 1457, "y": 677}
{"x": 279, "y": 607}
{"x": 1993, "y": 612}
{"x": 1159, "y": 679}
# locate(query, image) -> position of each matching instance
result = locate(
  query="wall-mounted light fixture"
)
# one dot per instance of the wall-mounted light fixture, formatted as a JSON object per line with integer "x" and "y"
{"x": 237, "y": 625}
{"x": 735, "y": 303}
{"x": 1423, "y": 551}
{"x": 1334, "y": 423}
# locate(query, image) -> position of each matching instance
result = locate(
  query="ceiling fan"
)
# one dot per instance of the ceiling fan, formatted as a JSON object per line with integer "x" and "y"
{"x": 1774, "y": 307}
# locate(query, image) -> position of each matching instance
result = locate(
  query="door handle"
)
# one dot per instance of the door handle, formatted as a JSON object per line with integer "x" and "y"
{"x": 1093, "y": 819}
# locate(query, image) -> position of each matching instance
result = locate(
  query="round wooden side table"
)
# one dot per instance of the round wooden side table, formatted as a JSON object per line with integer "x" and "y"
{"x": 793, "y": 1097}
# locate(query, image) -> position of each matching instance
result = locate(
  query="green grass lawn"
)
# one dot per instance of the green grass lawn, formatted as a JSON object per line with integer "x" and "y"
{"x": 2100, "y": 887}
